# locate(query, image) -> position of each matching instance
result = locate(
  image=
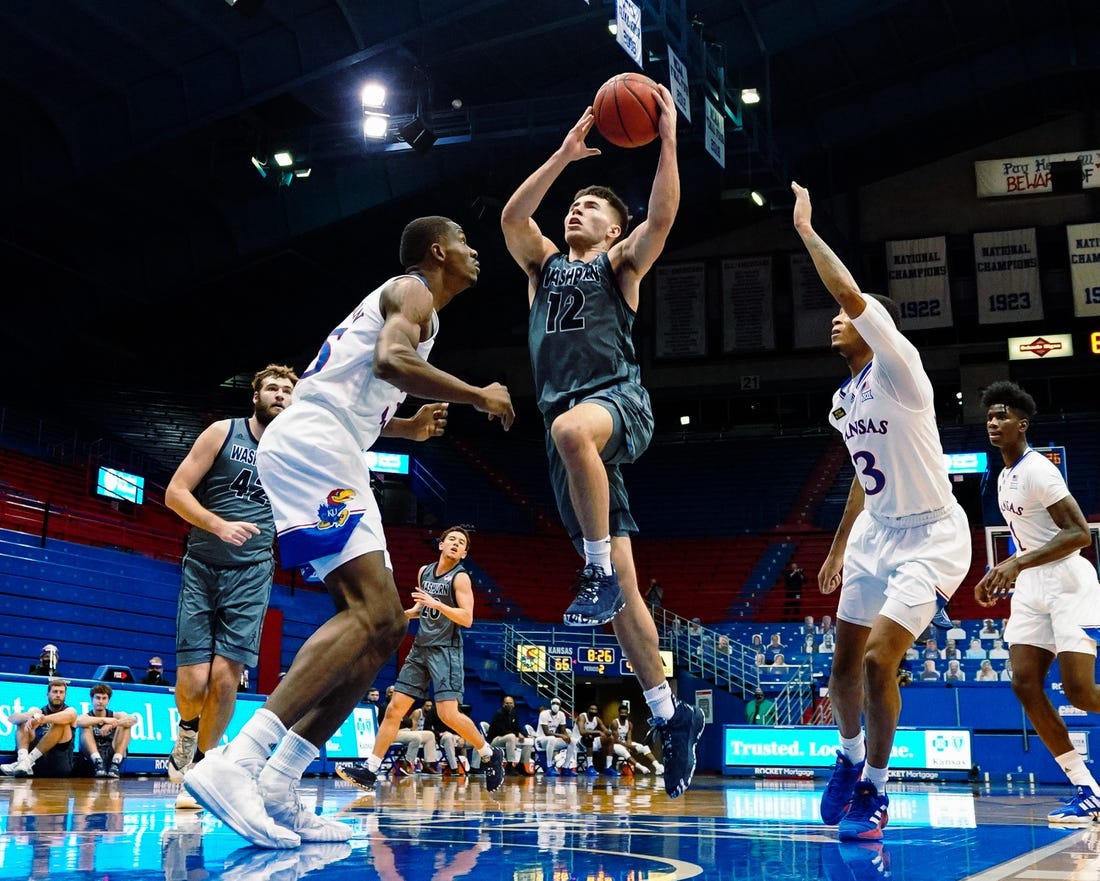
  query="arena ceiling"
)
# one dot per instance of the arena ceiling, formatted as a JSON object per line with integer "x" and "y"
{"x": 143, "y": 250}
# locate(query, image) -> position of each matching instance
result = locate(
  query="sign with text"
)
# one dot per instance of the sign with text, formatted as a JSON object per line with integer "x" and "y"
{"x": 1007, "y": 265}
{"x": 1044, "y": 346}
{"x": 715, "y": 138}
{"x": 804, "y": 746}
{"x": 678, "y": 84}
{"x": 354, "y": 738}
{"x": 1084, "y": 268}
{"x": 1024, "y": 175}
{"x": 917, "y": 272}
{"x": 628, "y": 28}
{"x": 748, "y": 320}
{"x": 681, "y": 314}
{"x": 814, "y": 306}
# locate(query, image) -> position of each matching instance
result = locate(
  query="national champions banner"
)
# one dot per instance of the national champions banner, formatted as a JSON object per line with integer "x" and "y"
{"x": 917, "y": 272}
{"x": 1007, "y": 268}
{"x": 1084, "y": 268}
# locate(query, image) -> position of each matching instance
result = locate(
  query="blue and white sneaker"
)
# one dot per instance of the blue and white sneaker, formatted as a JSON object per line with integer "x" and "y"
{"x": 494, "y": 770}
{"x": 679, "y": 737}
{"x": 599, "y": 598}
{"x": 1081, "y": 810}
{"x": 838, "y": 794}
{"x": 867, "y": 816}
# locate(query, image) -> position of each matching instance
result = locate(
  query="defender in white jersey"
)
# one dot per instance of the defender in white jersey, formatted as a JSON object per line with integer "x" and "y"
{"x": 903, "y": 544}
{"x": 314, "y": 473}
{"x": 1056, "y": 600}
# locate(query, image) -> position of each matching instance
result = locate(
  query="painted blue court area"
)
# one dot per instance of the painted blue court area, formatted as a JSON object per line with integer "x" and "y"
{"x": 431, "y": 829}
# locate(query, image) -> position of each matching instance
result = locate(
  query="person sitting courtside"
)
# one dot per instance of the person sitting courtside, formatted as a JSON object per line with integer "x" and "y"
{"x": 47, "y": 662}
{"x": 39, "y": 731}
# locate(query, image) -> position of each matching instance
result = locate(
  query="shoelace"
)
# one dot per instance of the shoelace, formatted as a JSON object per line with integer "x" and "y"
{"x": 588, "y": 590}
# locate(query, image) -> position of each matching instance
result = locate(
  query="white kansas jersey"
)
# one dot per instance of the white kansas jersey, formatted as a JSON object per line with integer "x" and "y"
{"x": 1024, "y": 492}
{"x": 341, "y": 378}
{"x": 888, "y": 422}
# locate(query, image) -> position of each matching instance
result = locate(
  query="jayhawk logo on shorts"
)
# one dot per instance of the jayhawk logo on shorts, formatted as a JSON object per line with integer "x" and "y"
{"x": 332, "y": 513}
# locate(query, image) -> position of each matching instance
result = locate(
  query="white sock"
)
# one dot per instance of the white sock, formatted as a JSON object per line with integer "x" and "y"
{"x": 374, "y": 763}
{"x": 23, "y": 754}
{"x": 878, "y": 776}
{"x": 854, "y": 748}
{"x": 598, "y": 553}
{"x": 660, "y": 701}
{"x": 253, "y": 745}
{"x": 486, "y": 752}
{"x": 289, "y": 762}
{"x": 1074, "y": 766}
{"x": 34, "y": 755}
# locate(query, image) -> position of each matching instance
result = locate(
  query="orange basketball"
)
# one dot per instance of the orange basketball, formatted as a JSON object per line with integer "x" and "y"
{"x": 626, "y": 110}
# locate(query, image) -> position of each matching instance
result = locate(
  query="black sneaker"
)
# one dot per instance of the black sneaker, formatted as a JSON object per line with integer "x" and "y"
{"x": 359, "y": 774}
{"x": 599, "y": 598}
{"x": 679, "y": 737}
{"x": 494, "y": 770}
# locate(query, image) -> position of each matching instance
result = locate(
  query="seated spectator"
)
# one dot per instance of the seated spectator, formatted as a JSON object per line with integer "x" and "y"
{"x": 779, "y": 662}
{"x": 929, "y": 673}
{"x": 957, "y": 632}
{"x": 757, "y": 643}
{"x": 808, "y": 627}
{"x": 808, "y": 644}
{"x": 826, "y": 626}
{"x": 951, "y": 651}
{"x": 106, "y": 733}
{"x": 954, "y": 672}
{"x": 775, "y": 646}
{"x": 553, "y": 737}
{"x": 760, "y": 710}
{"x": 417, "y": 739}
{"x": 976, "y": 652}
{"x": 505, "y": 732}
{"x": 39, "y": 731}
{"x": 1006, "y": 673}
{"x": 595, "y": 737}
{"x": 722, "y": 645}
{"x": 761, "y": 659}
{"x": 154, "y": 675}
{"x": 989, "y": 629}
{"x": 998, "y": 652}
{"x": 913, "y": 653}
{"x": 449, "y": 742}
{"x": 986, "y": 673}
{"x": 47, "y": 662}
{"x": 828, "y": 643}
{"x": 931, "y": 650}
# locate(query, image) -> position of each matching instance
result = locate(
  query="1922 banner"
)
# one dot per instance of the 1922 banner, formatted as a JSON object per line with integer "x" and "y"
{"x": 917, "y": 269}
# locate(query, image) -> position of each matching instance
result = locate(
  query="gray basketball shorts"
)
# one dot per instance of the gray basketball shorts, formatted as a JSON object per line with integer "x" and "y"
{"x": 632, "y": 418}
{"x": 440, "y": 666}
{"x": 221, "y": 611}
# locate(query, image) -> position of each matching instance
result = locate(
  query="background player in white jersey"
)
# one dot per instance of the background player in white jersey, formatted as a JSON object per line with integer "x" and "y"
{"x": 1056, "y": 601}
{"x": 903, "y": 543}
{"x": 326, "y": 516}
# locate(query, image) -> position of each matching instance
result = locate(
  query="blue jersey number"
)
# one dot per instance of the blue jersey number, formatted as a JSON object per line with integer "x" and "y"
{"x": 865, "y": 465}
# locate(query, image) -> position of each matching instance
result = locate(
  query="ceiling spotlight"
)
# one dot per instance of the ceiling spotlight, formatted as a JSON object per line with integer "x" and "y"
{"x": 373, "y": 96}
{"x": 612, "y": 27}
{"x": 260, "y": 166}
{"x": 303, "y": 172}
{"x": 750, "y": 96}
{"x": 685, "y": 420}
{"x": 283, "y": 159}
{"x": 375, "y": 126}
{"x": 757, "y": 197}
{"x": 456, "y": 104}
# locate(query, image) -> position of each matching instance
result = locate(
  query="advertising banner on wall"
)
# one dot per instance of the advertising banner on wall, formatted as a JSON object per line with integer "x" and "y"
{"x": 1023, "y": 175}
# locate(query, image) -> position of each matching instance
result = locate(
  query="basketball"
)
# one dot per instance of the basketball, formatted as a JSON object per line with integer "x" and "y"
{"x": 626, "y": 110}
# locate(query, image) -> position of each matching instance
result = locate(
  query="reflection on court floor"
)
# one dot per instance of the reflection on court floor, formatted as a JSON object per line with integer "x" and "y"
{"x": 534, "y": 830}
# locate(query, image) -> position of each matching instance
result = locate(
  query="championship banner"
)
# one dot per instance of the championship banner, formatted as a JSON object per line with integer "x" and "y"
{"x": 1007, "y": 265}
{"x": 814, "y": 306}
{"x": 917, "y": 271}
{"x": 678, "y": 84}
{"x": 714, "y": 139}
{"x": 680, "y": 316}
{"x": 1026, "y": 175}
{"x": 1084, "y": 268}
{"x": 628, "y": 29}
{"x": 748, "y": 317}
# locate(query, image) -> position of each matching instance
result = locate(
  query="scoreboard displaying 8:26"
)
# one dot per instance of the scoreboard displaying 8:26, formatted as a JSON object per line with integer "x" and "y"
{"x": 597, "y": 661}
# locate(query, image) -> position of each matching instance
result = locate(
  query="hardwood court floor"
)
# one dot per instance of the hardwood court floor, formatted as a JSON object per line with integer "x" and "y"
{"x": 433, "y": 829}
